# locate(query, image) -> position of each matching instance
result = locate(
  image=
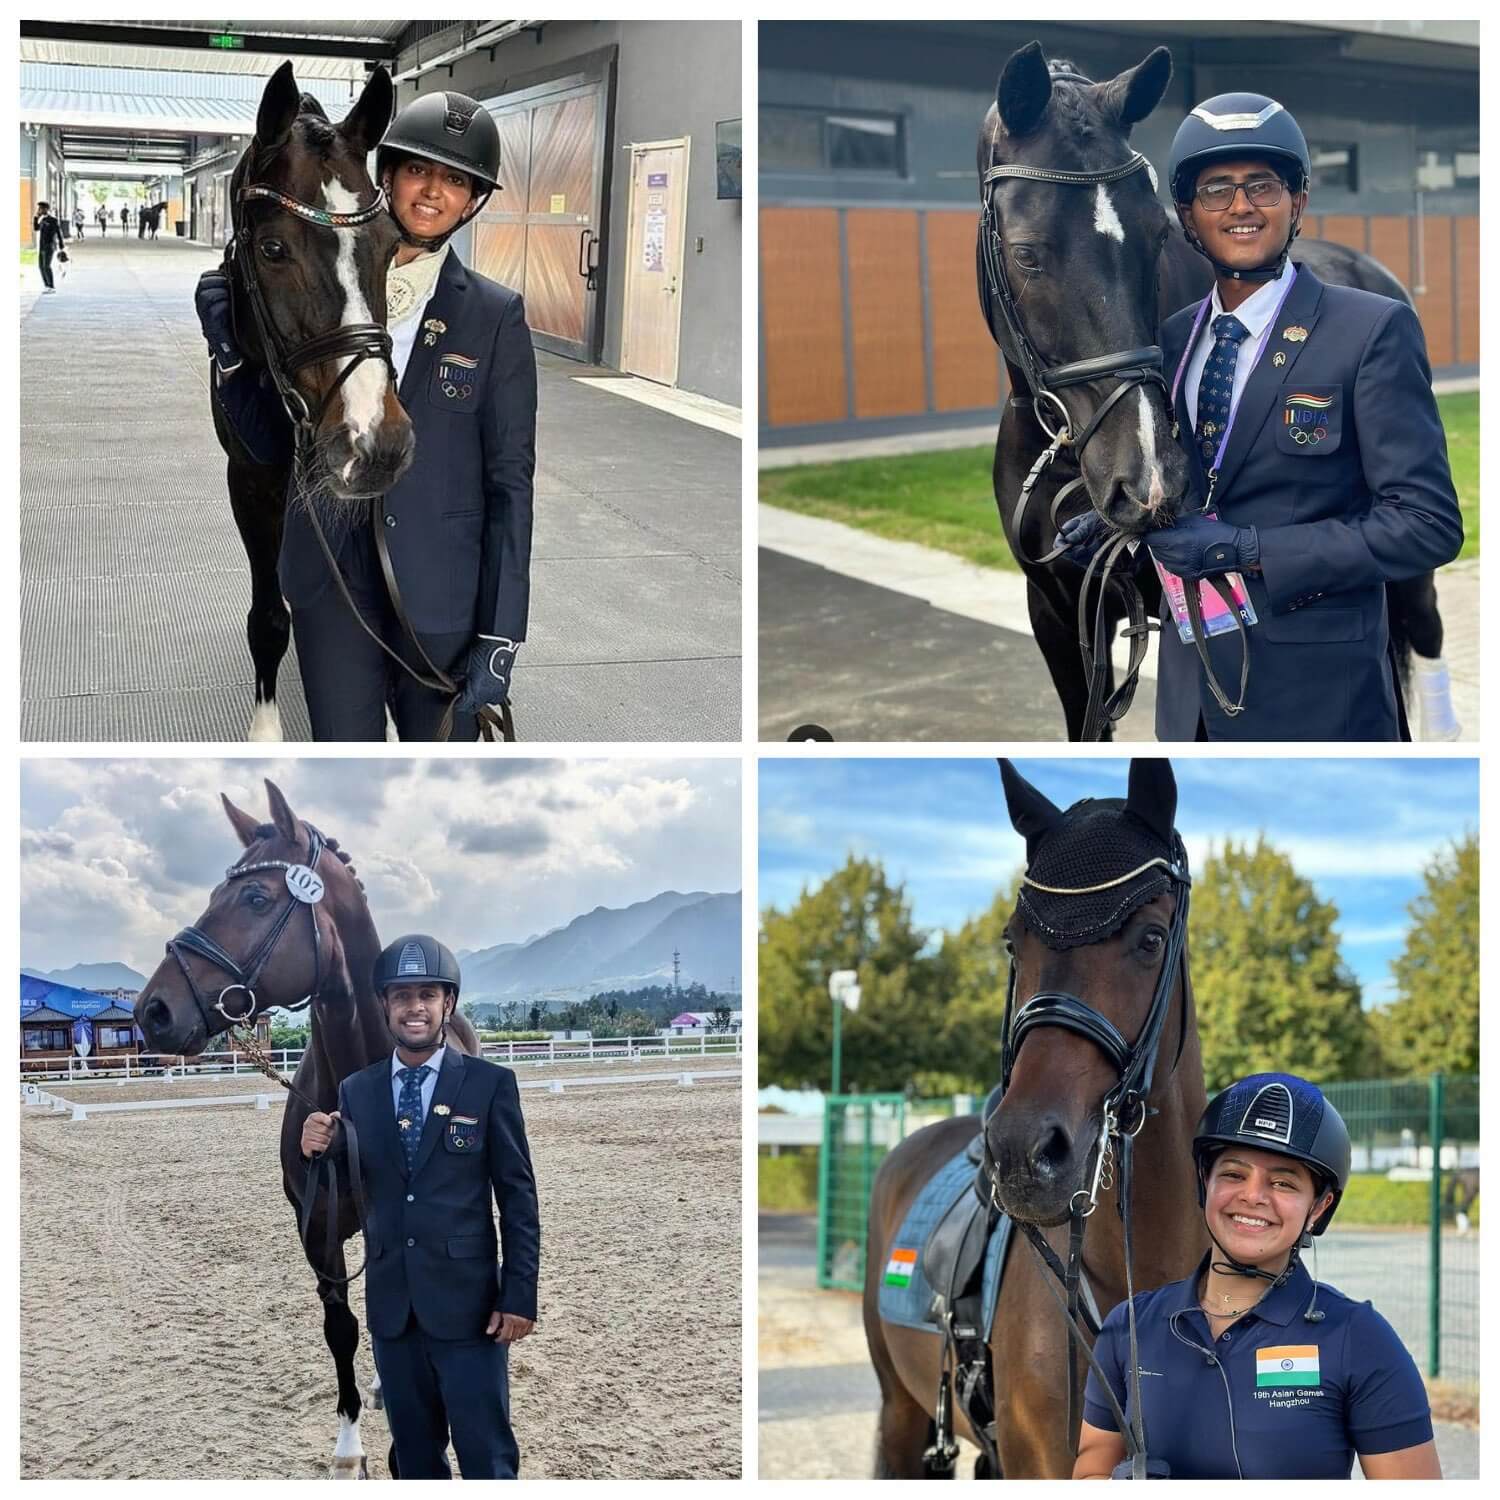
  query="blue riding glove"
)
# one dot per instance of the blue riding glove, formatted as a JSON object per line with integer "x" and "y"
{"x": 211, "y": 298}
{"x": 1083, "y": 536}
{"x": 1201, "y": 547}
{"x": 487, "y": 678}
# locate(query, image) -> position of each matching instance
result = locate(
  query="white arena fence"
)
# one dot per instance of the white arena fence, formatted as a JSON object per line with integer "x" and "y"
{"x": 127, "y": 1066}
{"x": 38, "y": 1098}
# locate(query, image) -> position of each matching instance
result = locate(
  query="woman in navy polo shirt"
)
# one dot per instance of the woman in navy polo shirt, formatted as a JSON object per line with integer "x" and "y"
{"x": 1248, "y": 1368}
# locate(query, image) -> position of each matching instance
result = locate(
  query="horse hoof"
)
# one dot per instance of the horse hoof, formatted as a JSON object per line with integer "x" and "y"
{"x": 350, "y": 1466}
{"x": 265, "y": 725}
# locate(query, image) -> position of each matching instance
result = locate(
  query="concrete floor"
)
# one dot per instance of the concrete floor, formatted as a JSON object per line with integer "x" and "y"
{"x": 133, "y": 580}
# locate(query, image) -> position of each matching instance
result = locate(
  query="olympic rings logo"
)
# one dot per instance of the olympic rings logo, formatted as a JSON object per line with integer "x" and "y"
{"x": 1305, "y": 435}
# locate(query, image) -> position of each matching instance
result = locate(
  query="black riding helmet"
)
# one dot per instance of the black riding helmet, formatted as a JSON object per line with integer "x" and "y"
{"x": 414, "y": 958}
{"x": 1239, "y": 125}
{"x": 1284, "y": 1114}
{"x": 452, "y": 129}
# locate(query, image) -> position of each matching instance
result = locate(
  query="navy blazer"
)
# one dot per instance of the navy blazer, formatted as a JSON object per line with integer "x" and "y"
{"x": 1369, "y": 501}
{"x": 458, "y": 523}
{"x": 430, "y": 1236}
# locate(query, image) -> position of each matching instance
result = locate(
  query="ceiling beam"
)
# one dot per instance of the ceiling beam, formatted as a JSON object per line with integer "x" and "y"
{"x": 198, "y": 41}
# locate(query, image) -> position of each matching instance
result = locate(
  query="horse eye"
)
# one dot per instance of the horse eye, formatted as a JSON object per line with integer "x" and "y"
{"x": 1153, "y": 940}
{"x": 1023, "y": 257}
{"x": 272, "y": 249}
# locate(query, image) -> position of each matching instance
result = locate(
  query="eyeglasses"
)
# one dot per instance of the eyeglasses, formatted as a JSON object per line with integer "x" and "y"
{"x": 1263, "y": 192}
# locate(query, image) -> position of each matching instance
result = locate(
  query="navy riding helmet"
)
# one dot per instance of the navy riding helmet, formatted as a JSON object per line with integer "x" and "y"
{"x": 1284, "y": 1114}
{"x": 414, "y": 958}
{"x": 1234, "y": 125}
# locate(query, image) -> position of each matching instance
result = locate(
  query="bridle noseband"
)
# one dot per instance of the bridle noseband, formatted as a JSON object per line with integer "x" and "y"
{"x": 245, "y": 975}
{"x": 356, "y": 341}
{"x": 1123, "y": 1112}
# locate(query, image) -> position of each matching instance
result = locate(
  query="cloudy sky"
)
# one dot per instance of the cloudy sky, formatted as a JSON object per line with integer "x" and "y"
{"x": 1360, "y": 830}
{"x": 117, "y": 855}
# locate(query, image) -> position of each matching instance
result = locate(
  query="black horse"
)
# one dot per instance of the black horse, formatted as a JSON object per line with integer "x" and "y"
{"x": 1107, "y": 291}
{"x": 326, "y": 960}
{"x": 314, "y": 279}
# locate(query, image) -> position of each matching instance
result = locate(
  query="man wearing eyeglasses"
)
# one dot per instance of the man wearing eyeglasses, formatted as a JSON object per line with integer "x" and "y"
{"x": 1319, "y": 460}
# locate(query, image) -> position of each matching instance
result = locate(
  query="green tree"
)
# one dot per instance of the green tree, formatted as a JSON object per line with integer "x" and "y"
{"x": 855, "y": 920}
{"x": 1272, "y": 990}
{"x": 1433, "y": 1024}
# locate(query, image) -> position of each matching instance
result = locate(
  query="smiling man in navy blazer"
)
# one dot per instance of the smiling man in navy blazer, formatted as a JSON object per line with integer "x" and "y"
{"x": 1312, "y": 434}
{"x": 440, "y": 1134}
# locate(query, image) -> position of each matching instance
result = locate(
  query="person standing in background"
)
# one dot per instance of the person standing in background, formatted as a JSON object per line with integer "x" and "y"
{"x": 49, "y": 243}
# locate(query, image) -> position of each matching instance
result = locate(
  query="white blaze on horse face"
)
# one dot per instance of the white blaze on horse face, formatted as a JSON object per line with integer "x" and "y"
{"x": 1157, "y": 493}
{"x": 364, "y": 390}
{"x": 1106, "y": 220}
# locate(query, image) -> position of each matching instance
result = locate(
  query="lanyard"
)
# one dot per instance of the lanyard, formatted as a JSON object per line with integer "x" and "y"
{"x": 1213, "y": 473}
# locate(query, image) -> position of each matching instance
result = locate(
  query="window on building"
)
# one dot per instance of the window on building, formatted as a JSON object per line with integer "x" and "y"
{"x": 46, "y": 1039}
{"x": 812, "y": 140}
{"x": 1335, "y": 167}
{"x": 115, "y": 1036}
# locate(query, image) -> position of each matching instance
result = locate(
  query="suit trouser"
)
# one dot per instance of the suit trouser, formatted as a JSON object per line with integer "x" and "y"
{"x": 349, "y": 680}
{"x": 436, "y": 1387}
{"x": 44, "y": 264}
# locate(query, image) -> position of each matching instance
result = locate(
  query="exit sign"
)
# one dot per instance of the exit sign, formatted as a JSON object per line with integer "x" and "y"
{"x": 227, "y": 42}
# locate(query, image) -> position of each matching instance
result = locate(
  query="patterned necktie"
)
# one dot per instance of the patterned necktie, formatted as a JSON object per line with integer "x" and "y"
{"x": 409, "y": 1111}
{"x": 1216, "y": 388}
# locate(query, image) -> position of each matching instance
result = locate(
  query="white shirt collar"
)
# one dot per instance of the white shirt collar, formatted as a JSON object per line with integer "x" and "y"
{"x": 435, "y": 1062}
{"x": 1257, "y": 310}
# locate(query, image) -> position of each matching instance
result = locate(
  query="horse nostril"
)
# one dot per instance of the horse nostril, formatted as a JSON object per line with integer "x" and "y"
{"x": 1049, "y": 1152}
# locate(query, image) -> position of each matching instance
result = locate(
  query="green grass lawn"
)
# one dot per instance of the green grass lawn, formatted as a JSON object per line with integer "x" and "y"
{"x": 945, "y": 500}
{"x": 28, "y": 257}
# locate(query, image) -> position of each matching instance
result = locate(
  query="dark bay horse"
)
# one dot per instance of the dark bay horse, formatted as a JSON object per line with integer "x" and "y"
{"x": 1042, "y": 1141}
{"x": 1097, "y": 272}
{"x": 280, "y": 957}
{"x": 315, "y": 278}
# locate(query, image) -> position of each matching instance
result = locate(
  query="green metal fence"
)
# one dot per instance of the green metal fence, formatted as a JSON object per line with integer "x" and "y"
{"x": 858, "y": 1130}
{"x": 1422, "y": 1277}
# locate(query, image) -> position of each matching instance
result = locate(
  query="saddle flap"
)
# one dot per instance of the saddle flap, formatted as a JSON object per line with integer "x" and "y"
{"x": 954, "y": 1250}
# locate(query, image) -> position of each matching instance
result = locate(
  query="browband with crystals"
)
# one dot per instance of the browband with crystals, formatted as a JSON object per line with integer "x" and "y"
{"x": 321, "y": 216}
{"x": 1175, "y": 871}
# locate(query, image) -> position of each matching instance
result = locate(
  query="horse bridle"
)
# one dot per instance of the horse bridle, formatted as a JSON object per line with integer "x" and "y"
{"x": 357, "y": 342}
{"x": 244, "y": 975}
{"x": 1123, "y": 1112}
{"x": 1132, "y": 368}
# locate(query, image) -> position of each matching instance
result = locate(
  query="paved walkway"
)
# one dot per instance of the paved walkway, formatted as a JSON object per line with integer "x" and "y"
{"x": 883, "y": 640}
{"x": 133, "y": 581}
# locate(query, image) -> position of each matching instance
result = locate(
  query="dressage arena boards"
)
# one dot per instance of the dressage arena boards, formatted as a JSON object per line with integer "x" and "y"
{"x": 164, "y": 1293}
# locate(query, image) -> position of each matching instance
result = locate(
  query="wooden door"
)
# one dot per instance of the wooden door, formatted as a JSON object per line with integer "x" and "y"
{"x": 653, "y": 261}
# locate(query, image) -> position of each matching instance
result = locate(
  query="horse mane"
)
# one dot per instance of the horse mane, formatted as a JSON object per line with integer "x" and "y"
{"x": 270, "y": 831}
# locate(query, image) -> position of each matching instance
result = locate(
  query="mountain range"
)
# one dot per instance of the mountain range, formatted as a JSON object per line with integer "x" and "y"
{"x": 608, "y": 948}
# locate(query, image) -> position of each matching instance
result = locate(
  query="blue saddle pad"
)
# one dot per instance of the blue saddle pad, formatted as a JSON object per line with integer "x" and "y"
{"x": 905, "y": 1295}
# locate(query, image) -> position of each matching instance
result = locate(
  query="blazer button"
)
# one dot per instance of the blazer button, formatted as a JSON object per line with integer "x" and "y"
{"x": 410, "y": 1243}
{"x": 390, "y": 521}
{"x": 411, "y": 1197}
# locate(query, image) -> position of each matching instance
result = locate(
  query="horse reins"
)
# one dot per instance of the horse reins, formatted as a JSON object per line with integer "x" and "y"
{"x": 244, "y": 977}
{"x": 358, "y": 341}
{"x": 1132, "y": 369}
{"x": 1123, "y": 1113}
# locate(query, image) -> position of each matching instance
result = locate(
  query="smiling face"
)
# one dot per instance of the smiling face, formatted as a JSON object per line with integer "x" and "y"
{"x": 427, "y": 197}
{"x": 1244, "y": 235}
{"x": 1258, "y": 1204}
{"x": 415, "y": 1012}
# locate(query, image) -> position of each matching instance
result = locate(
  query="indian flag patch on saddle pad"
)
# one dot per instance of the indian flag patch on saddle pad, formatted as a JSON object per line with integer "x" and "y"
{"x": 1287, "y": 1364}
{"x": 902, "y": 1264}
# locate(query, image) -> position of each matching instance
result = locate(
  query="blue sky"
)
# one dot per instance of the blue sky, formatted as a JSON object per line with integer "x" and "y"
{"x": 1360, "y": 830}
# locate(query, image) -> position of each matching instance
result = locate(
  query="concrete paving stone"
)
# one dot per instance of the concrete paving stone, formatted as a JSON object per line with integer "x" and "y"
{"x": 133, "y": 580}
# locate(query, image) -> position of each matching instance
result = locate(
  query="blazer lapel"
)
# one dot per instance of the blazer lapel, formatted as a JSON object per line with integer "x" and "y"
{"x": 382, "y": 1112}
{"x": 450, "y": 1081}
{"x": 1181, "y": 418}
{"x": 1300, "y": 310}
{"x": 444, "y": 306}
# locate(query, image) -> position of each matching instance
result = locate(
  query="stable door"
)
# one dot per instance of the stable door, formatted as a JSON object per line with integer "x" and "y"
{"x": 654, "y": 260}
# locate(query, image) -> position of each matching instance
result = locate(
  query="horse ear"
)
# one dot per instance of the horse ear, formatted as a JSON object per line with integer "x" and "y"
{"x": 1153, "y": 795}
{"x": 281, "y": 813}
{"x": 1024, "y": 90}
{"x": 1031, "y": 814}
{"x": 1132, "y": 96}
{"x": 366, "y": 123}
{"x": 243, "y": 824}
{"x": 279, "y": 105}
